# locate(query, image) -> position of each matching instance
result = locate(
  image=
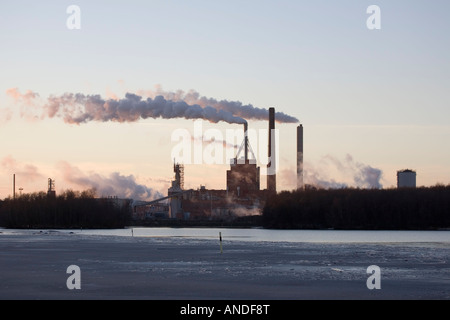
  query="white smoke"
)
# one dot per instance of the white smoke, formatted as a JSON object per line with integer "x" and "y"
{"x": 236, "y": 108}
{"x": 79, "y": 108}
{"x": 5, "y": 115}
{"x": 26, "y": 98}
{"x": 24, "y": 171}
{"x": 27, "y": 102}
{"x": 213, "y": 141}
{"x": 113, "y": 185}
{"x": 351, "y": 174}
{"x": 241, "y": 211}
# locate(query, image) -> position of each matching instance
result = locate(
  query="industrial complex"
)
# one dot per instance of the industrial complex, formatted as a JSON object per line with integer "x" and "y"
{"x": 243, "y": 194}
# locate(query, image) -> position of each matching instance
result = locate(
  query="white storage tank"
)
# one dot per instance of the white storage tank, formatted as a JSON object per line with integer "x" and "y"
{"x": 406, "y": 179}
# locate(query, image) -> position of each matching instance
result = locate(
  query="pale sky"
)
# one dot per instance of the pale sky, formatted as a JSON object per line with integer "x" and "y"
{"x": 366, "y": 98}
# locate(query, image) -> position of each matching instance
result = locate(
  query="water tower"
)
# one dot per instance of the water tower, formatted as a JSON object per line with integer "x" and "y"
{"x": 406, "y": 179}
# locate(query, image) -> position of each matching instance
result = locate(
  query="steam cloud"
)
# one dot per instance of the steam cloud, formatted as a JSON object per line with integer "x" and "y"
{"x": 363, "y": 176}
{"x": 242, "y": 211}
{"x": 347, "y": 173}
{"x": 77, "y": 108}
{"x": 30, "y": 172}
{"x": 115, "y": 184}
{"x": 5, "y": 115}
{"x": 207, "y": 142}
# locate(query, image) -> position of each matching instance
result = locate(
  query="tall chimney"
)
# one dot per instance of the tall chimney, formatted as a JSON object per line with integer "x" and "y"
{"x": 271, "y": 166}
{"x": 14, "y": 186}
{"x": 246, "y": 142}
{"x": 300, "y": 184}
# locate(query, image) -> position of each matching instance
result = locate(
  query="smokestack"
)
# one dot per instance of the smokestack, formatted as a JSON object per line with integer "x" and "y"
{"x": 271, "y": 167}
{"x": 14, "y": 186}
{"x": 246, "y": 142}
{"x": 300, "y": 184}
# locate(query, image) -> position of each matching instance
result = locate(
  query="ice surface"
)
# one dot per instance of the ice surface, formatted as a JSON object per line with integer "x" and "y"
{"x": 33, "y": 266}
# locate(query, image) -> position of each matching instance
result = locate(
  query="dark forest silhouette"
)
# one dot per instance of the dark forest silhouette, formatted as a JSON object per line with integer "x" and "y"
{"x": 345, "y": 209}
{"x": 71, "y": 209}
{"x": 360, "y": 209}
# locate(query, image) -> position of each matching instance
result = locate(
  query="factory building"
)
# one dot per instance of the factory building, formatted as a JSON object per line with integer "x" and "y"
{"x": 244, "y": 175}
{"x": 151, "y": 211}
{"x": 243, "y": 179}
{"x": 406, "y": 179}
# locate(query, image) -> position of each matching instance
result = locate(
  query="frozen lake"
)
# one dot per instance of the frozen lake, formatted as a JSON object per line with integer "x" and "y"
{"x": 257, "y": 235}
{"x": 256, "y": 264}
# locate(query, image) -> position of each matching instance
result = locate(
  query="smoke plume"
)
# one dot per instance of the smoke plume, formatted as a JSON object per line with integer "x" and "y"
{"x": 26, "y": 172}
{"x": 77, "y": 108}
{"x": 26, "y": 98}
{"x": 113, "y": 185}
{"x": 213, "y": 141}
{"x": 28, "y": 103}
{"x": 241, "y": 211}
{"x": 350, "y": 172}
{"x": 5, "y": 115}
{"x": 236, "y": 108}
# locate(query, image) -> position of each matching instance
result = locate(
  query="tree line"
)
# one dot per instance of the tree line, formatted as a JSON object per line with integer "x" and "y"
{"x": 71, "y": 209}
{"x": 425, "y": 208}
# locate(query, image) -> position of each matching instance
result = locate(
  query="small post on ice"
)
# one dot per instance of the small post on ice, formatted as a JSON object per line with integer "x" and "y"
{"x": 220, "y": 238}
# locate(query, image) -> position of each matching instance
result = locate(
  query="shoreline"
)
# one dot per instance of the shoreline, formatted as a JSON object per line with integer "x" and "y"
{"x": 218, "y": 225}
